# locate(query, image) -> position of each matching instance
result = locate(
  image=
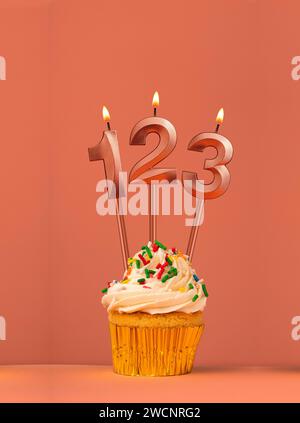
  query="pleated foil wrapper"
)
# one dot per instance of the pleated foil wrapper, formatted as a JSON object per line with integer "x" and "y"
{"x": 146, "y": 351}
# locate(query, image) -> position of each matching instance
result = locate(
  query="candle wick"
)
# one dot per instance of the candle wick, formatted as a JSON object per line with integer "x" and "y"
{"x": 154, "y": 111}
{"x": 108, "y": 125}
{"x": 217, "y": 127}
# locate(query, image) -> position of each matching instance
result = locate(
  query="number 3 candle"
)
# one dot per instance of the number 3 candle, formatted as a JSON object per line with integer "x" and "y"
{"x": 107, "y": 150}
{"x": 217, "y": 165}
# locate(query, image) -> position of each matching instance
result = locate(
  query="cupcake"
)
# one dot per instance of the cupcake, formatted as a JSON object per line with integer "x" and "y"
{"x": 155, "y": 313}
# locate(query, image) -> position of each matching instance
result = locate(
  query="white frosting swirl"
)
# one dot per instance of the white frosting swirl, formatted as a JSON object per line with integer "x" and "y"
{"x": 180, "y": 292}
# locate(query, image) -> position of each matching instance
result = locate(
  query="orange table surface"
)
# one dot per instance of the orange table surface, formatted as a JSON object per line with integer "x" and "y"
{"x": 69, "y": 383}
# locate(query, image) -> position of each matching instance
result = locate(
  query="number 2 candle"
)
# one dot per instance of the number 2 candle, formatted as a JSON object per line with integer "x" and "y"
{"x": 145, "y": 168}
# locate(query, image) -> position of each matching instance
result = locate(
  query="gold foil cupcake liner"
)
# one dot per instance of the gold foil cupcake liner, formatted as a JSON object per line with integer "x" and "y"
{"x": 147, "y": 351}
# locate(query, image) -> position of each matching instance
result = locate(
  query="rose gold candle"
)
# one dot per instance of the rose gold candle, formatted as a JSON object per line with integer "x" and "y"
{"x": 216, "y": 165}
{"x": 145, "y": 169}
{"x": 108, "y": 151}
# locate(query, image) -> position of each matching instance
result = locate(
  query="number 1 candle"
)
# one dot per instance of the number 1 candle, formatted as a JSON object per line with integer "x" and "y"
{"x": 107, "y": 150}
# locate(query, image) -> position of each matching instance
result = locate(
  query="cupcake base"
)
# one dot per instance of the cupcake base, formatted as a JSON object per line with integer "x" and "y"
{"x": 154, "y": 345}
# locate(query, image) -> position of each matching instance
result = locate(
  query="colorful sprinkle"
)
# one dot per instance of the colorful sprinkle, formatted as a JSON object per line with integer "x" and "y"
{"x": 195, "y": 298}
{"x": 160, "y": 245}
{"x": 145, "y": 286}
{"x": 195, "y": 277}
{"x": 141, "y": 280}
{"x": 204, "y": 290}
{"x": 165, "y": 278}
{"x": 174, "y": 250}
{"x": 152, "y": 272}
{"x": 147, "y": 273}
{"x": 143, "y": 260}
{"x": 147, "y": 249}
{"x": 154, "y": 248}
{"x": 191, "y": 286}
{"x": 104, "y": 291}
{"x": 160, "y": 273}
{"x": 125, "y": 281}
{"x": 138, "y": 264}
{"x": 169, "y": 260}
{"x": 173, "y": 271}
{"x": 182, "y": 289}
{"x": 161, "y": 266}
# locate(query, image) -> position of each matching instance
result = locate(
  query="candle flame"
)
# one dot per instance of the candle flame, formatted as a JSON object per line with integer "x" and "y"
{"x": 220, "y": 116}
{"x": 155, "y": 101}
{"x": 105, "y": 114}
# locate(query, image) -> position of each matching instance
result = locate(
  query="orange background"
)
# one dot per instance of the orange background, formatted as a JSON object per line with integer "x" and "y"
{"x": 67, "y": 58}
